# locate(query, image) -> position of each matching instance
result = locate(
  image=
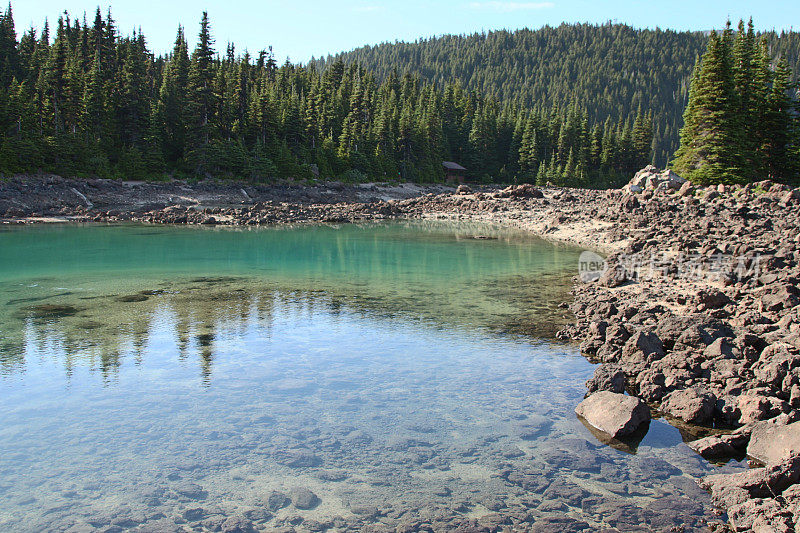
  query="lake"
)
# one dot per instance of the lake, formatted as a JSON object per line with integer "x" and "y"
{"x": 398, "y": 377}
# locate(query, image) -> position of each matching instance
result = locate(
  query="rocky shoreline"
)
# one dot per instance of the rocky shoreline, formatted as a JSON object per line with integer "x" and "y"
{"x": 697, "y": 312}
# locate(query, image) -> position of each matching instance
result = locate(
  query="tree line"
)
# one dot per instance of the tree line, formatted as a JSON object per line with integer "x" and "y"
{"x": 87, "y": 101}
{"x": 742, "y": 122}
{"x": 612, "y": 70}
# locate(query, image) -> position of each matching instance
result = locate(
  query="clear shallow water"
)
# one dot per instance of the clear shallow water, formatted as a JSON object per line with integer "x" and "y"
{"x": 174, "y": 378}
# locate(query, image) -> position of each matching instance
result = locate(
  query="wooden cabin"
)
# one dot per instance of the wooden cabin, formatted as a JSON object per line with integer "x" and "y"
{"x": 453, "y": 172}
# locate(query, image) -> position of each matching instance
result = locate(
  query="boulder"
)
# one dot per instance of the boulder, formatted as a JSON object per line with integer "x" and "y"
{"x": 771, "y": 443}
{"x": 728, "y": 490}
{"x": 629, "y": 202}
{"x": 755, "y": 407}
{"x": 671, "y": 180}
{"x": 614, "y": 276}
{"x": 608, "y": 378}
{"x": 643, "y": 346}
{"x": 690, "y": 405}
{"x": 650, "y": 178}
{"x": 774, "y": 363}
{"x": 276, "y": 500}
{"x": 304, "y": 498}
{"x": 715, "y": 446}
{"x": 711, "y": 299}
{"x": 525, "y": 190}
{"x": 237, "y": 524}
{"x": 790, "y": 197}
{"x": 615, "y": 414}
{"x": 719, "y": 349}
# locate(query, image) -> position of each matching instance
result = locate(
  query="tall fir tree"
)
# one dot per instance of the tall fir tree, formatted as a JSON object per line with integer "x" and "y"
{"x": 709, "y": 150}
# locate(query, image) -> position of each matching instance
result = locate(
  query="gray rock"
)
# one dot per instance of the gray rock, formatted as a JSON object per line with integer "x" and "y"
{"x": 615, "y": 414}
{"x": 533, "y": 427}
{"x": 297, "y": 458}
{"x": 192, "y": 491}
{"x": 237, "y": 524}
{"x": 277, "y": 500}
{"x": 771, "y": 443}
{"x": 304, "y": 498}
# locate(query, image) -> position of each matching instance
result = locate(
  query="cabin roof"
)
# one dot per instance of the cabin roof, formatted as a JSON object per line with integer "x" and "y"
{"x": 449, "y": 165}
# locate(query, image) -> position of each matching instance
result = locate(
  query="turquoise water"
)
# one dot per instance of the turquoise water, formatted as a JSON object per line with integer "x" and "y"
{"x": 397, "y": 376}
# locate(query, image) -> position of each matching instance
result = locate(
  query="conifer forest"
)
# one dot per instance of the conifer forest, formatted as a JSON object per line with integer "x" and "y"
{"x": 576, "y": 105}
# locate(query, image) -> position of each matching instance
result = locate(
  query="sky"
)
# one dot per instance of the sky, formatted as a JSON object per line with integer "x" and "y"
{"x": 300, "y": 29}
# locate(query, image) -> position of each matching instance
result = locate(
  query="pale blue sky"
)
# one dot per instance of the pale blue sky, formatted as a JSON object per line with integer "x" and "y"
{"x": 302, "y": 28}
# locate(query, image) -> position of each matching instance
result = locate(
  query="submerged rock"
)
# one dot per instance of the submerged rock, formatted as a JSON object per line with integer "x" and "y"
{"x": 237, "y": 524}
{"x": 130, "y": 298}
{"x": 612, "y": 413}
{"x": 51, "y": 311}
{"x": 304, "y": 498}
{"x": 297, "y": 458}
{"x": 193, "y": 491}
{"x": 277, "y": 500}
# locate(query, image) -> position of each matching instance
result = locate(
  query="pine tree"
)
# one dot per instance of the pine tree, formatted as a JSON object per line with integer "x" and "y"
{"x": 9, "y": 53}
{"x": 739, "y": 120}
{"x": 709, "y": 150}
{"x": 171, "y": 114}
{"x": 202, "y": 100}
{"x": 777, "y": 126}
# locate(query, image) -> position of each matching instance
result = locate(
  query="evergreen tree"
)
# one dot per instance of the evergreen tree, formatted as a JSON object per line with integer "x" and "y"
{"x": 201, "y": 100}
{"x": 777, "y": 126}
{"x": 739, "y": 120}
{"x": 9, "y": 53}
{"x": 709, "y": 150}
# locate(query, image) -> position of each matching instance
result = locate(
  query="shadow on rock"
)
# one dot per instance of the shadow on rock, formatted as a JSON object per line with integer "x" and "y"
{"x": 628, "y": 444}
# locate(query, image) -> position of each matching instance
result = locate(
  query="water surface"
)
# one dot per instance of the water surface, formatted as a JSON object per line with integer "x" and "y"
{"x": 179, "y": 378}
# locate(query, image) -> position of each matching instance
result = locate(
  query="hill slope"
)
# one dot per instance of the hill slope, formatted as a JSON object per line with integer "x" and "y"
{"x": 612, "y": 70}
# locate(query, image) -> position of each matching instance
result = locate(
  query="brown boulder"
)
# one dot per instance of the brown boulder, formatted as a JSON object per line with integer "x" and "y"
{"x": 772, "y": 443}
{"x": 643, "y": 346}
{"x": 690, "y": 405}
{"x": 614, "y": 414}
{"x": 715, "y": 446}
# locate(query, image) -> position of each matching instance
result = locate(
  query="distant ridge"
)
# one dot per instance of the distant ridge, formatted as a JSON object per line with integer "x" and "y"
{"x": 612, "y": 69}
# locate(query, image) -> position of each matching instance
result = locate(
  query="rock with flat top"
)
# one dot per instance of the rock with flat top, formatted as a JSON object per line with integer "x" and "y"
{"x": 716, "y": 446}
{"x": 772, "y": 443}
{"x": 615, "y": 414}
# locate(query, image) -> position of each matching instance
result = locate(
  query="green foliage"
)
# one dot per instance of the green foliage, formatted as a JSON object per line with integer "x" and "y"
{"x": 90, "y": 102}
{"x": 613, "y": 70}
{"x": 740, "y": 121}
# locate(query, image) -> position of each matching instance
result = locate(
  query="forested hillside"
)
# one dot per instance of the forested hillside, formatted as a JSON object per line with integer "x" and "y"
{"x": 575, "y": 105}
{"x": 612, "y": 70}
{"x": 87, "y": 101}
